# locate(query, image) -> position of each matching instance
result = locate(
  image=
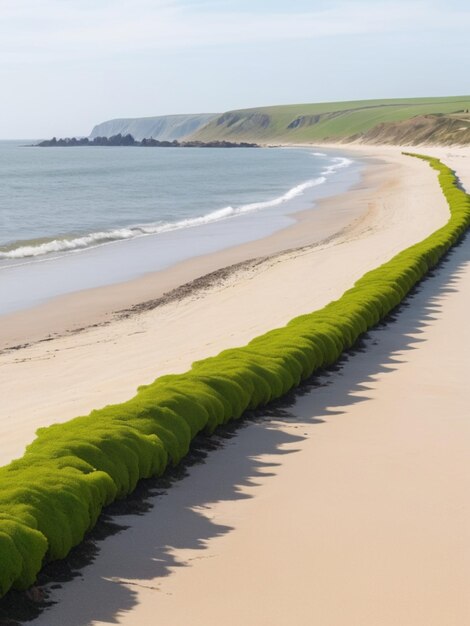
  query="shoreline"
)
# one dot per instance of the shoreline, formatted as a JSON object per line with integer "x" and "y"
{"x": 69, "y": 313}
{"x": 87, "y": 261}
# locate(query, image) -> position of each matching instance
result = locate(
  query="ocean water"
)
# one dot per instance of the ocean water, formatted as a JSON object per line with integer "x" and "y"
{"x": 76, "y": 218}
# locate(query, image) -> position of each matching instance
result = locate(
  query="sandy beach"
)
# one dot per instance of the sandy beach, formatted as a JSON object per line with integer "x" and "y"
{"x": 348, "y": 508}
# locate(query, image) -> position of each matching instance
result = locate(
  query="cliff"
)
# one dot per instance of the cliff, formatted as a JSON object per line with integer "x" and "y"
{"x": 163, "y": 128}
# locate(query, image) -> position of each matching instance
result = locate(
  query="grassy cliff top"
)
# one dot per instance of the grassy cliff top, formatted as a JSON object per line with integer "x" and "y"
{"x": 335, "y": 121}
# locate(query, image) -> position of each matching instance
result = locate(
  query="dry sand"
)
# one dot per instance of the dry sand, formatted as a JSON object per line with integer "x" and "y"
{"x": 348, "y": 510}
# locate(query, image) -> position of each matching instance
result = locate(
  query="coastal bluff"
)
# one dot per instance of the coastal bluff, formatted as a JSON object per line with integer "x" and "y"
{"x": 162, "y": 127}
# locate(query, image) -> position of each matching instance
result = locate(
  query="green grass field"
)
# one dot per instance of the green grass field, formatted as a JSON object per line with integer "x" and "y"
{"x": 323, "y": 121}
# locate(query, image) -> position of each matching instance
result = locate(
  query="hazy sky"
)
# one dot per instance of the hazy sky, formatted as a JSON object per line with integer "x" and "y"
{"x": 68, "y": 64}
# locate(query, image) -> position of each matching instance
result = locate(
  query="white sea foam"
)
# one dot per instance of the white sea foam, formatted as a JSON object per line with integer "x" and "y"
{"x": 98, "y": 238}
{"x": 337, "y": 164}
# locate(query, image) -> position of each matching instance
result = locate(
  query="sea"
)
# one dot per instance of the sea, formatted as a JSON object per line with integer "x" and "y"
{"x": 85, "y": 217}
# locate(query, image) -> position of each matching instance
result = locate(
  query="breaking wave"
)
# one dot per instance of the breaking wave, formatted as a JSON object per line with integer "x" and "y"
{"x": 65, "y": 244}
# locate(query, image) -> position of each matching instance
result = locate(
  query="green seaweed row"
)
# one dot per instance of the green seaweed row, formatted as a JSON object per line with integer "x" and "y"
{"x": 54, "y": 494}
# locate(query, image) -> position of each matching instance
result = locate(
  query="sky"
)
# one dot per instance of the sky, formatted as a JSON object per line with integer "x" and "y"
{"x": 66, "y": 65}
